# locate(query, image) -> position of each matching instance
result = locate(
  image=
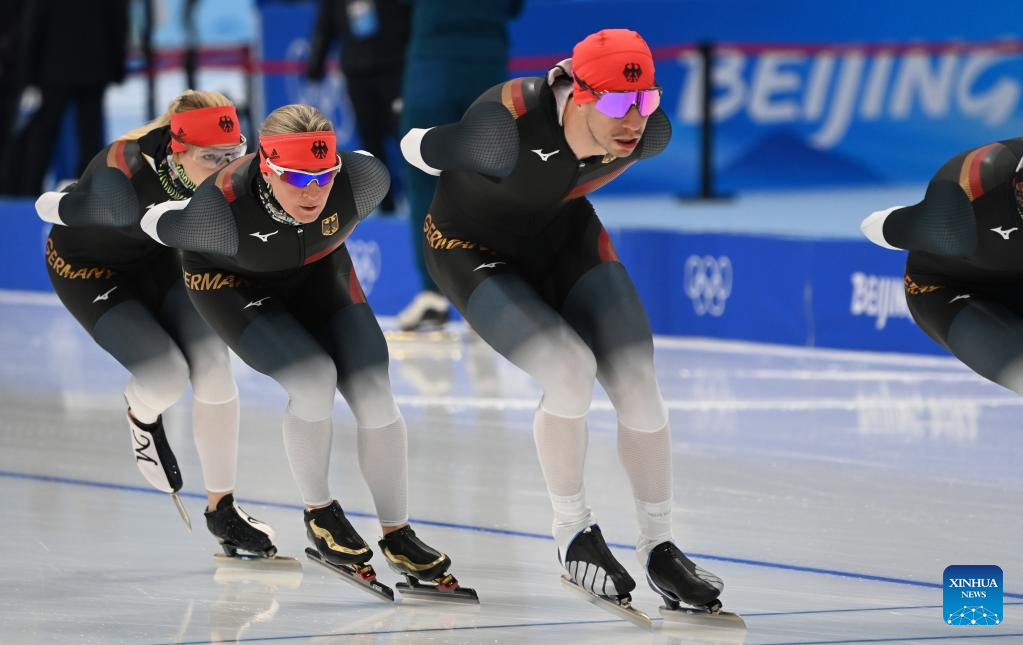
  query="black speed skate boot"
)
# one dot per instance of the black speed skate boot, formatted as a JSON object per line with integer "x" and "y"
{"x": 424, "y": 568}
{"x": 341, "y": 549}
{"x": 679, "y": 580}
{"x": 238, "y": 531}
{"x": 153, "y": 455}
{"x": 156, "y": 461}
{"x": 599, "y": 577}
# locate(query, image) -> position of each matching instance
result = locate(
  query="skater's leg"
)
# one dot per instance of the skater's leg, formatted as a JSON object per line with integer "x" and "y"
{"x": 599, "y": 301}
{"x": 278, "y": 346}
{"x": 982, "y": 327}
{"x": 215, "y": 428}
{"x": 159, "y": 375}
{"x": 336, "y": 311}
{"x": 605, "y": 308}
{"x": 349, "y": 332}
{"x": 116, "y": 308}
{"x": 502, "y": 303}
{"x": 519, "y": 323}
{"x": 273, "y": 342}
{"x": 355, "y": 342}
{"x": 159, "y": 372}
{"x": 215, "y": 407}
{"x": 515, "y": 320}
{"x": 507, "y": 311}
{"x": 987, "y": 336}
{"x": 602, "y": 305}
{"x": 360, "y": 354}
{"x": 561, "y": 447}
{"x": 359, "y": 349}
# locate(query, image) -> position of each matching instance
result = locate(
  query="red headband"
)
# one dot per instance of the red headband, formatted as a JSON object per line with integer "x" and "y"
{"x": 211, "y": 126}
{"x": 299, "y": 150}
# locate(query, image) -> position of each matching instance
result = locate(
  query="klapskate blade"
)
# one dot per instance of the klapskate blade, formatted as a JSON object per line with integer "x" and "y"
{"x": 704, "y": 618}
{"x": 182, "y": 512}
{"x": 629, "y": 613}
{"x": 241, "y": 562}
{"x": 460, "y": 595}
{"x": 376, "y": 588}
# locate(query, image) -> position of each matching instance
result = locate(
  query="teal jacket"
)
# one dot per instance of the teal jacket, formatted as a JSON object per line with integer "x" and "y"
{"x": 472, "y": 31}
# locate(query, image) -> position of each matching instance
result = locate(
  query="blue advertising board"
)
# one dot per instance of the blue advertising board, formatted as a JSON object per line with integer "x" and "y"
{"x": 827, "y": 293}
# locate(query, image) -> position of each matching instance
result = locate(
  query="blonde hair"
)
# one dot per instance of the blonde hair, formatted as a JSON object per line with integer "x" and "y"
{"x": 297, "y": 117}
{"x": 187, "y": 100}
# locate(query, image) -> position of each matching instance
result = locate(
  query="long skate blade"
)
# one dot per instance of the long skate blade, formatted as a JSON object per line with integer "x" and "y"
{"x": 244, "y": 562}
{"x": 627, "y": 611}
{"x": 375, "y": 587}
{"x": 182, "y": 512}
{"x": 460, "y": 595}
{"x": 704, "y": 618}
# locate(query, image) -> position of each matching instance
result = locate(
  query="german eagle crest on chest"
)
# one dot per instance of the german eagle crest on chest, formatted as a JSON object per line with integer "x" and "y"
{"x": 329, "y": 225}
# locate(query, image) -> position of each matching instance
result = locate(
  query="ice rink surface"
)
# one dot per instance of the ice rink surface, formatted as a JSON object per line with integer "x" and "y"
{"x": 828, "y": 489}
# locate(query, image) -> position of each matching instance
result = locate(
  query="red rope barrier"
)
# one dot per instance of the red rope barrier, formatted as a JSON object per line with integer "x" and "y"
{"x": 241, "y": 56}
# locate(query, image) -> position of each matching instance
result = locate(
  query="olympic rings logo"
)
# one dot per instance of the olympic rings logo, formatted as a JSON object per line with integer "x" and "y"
{"x": 708, "y": 283}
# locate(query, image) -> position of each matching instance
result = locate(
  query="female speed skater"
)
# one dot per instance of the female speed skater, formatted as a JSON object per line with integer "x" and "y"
{"x": 126, "y": 291}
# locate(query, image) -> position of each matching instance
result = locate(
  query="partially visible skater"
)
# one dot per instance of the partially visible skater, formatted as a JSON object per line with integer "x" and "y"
{"x": 126, "y": 291}
{"x": 965, "y": 263}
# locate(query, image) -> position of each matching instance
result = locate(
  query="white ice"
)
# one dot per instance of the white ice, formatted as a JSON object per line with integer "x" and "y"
{"x": 828, "y": 489}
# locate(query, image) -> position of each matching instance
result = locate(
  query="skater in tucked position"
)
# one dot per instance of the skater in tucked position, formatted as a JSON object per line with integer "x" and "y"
{"x": 512, "y": 240}
{"x": 965, "y": 264}
{"x": 266, "y": 265}
{"x": 126, "y": 290}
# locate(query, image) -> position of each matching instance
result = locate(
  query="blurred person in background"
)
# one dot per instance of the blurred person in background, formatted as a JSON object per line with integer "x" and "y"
{"x": 71, "y": 51}
{"x": 10, "y": 83}
{"x": 373, "y": 35}
{"x": 459, "y": 48}
{"x": 126, "y": 291}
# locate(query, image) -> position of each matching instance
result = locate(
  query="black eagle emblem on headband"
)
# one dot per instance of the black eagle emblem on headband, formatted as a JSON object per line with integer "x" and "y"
{"x": 632, "y": 72}
{"x": 226, "y": 124}
{"x": 320, "y": 149}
